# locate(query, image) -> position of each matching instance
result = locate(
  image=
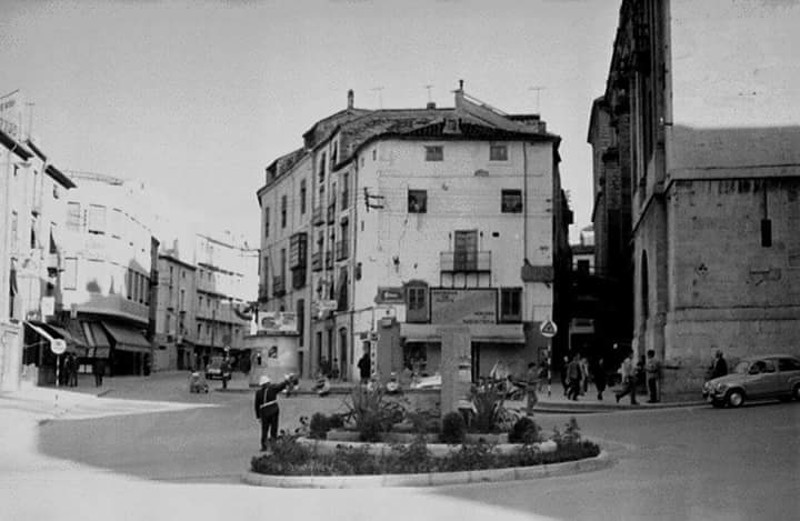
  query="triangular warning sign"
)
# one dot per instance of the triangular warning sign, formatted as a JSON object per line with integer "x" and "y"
{"x": 548, "y": 329}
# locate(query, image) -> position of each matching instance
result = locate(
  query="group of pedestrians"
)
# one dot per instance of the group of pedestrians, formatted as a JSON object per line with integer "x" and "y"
{"x": 69, "y": 371}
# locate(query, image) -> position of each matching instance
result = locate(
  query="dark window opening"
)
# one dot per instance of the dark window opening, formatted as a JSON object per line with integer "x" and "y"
{"x": 511, "y": 201}
{"x": 417, "y": 201}
{"x": 435, "y": 153}
{"x": 511, "y": 304}
{"x": 498, "y": 153}
{"x": 766, "y": 233}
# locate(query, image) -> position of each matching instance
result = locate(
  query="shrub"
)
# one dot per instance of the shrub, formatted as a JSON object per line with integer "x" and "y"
{"x": 283, "y": 456}
{"x": 371, "y": 413}
{"x": 490, "y": 414}
{"x": 454, "y": 429}
{"x": 525, "y": 431}
{"x": 412, "y": 458}
{"x": 424, "y": 421}
{"x": 319, "y": 426}
{"x": 477, "y": 456}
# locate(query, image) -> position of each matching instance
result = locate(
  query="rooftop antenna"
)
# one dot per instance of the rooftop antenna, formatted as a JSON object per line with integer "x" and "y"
{"x": 30, "y": 106}
{"x": 538, "y": 93}
{"x": 380, "y": 95}
{"x": 428, "y": 88}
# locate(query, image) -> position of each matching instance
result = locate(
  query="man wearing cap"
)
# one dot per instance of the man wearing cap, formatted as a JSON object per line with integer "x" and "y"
{"x": 267, "y": 409}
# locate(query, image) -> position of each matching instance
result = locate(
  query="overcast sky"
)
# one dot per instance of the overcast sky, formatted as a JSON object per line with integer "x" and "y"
{"x": 197, "y": 97}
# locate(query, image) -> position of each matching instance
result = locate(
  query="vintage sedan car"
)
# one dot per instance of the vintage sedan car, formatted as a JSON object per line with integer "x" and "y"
{"x": 218, "y": 369}
{"x": 756, "y": 378}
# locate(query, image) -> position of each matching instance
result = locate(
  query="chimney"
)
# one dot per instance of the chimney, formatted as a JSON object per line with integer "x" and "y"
{"x": 431, "y": 105}
{"x": 350, "y": 97}
{"x": 461, "y": 85}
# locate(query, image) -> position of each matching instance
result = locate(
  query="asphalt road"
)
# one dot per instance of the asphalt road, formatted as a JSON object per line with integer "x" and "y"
{"x": 688, "y": 463}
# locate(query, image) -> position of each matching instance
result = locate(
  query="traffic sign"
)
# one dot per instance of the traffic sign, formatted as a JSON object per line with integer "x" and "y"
{"x": 58, "y": 346}
{"x": 548, "y": 329}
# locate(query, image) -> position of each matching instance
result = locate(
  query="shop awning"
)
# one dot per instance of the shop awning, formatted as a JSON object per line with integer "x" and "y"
{"x": 67, "y": 336}
{"x": 127, "y": 339}
{"x": 100, "y": 346}
{"x": 43, "y": 330}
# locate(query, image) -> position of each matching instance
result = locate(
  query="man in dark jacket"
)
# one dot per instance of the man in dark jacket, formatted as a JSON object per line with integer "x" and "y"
{"x": 365, "y": 367}
{"x": 719, "y": 367}
{"x": 266, "y": 408}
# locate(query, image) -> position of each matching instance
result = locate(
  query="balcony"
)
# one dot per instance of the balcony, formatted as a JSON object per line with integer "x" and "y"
{"x": 317, "y": 216}
{"x": 331, "y": 213}
{"x": 342, "y": 250}
{"x": 316, "y": 261}
{"x": 278, "y": 286}
{"x": 465, "y": 261}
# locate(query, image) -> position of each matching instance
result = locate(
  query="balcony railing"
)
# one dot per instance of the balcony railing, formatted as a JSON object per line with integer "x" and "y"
{"x": 278, "y": 286}
{"x": 342, "y": 250}
{"x": 316, "y": 261}
{"x": 465, "y": 261}
{"x": 317, "y": 216}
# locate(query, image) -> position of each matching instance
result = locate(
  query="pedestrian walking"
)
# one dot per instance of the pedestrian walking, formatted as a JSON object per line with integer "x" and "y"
{"x": 532, "y": 377}
{"x": 73, "y": 370}
{"x": 564, "y": 365}
{"x": 628, "y": 374}
{"x": 98, "y": 368}
{"x": 266, "y": 408}
{"x": 574, "y": 378}
{"x": 365, "y": 367}
{"x": 599, "y": 377}
{"x": 653, "y": 372}
{"x": 586, "y": 375}
{"x": 719, "y": 367}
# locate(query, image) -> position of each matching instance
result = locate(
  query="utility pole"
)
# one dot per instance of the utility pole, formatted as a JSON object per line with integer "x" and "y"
{"x": 428, "y": 88}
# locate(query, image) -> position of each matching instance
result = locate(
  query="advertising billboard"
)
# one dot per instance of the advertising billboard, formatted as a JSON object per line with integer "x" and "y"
{"x": 464, "y": 306}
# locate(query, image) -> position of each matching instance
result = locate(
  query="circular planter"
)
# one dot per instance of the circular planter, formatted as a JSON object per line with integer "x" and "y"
{"x": 433, "y": 478}
{"x": 437, "y": 449}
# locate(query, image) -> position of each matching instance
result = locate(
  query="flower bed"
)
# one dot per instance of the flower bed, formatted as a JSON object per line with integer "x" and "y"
{"x": 288, "y": 456}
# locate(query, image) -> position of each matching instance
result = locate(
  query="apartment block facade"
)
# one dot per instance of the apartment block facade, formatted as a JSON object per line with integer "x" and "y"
{"x": 417, "y": 219}
{"x": 701, "y": 101}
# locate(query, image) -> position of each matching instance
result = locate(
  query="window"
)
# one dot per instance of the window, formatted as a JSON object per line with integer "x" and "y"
{"x": 14, "y": 230}
{"x": 322, "y": 167}
{"x": 115, "y": 225}
{"x": 435, "y": 153}
{"x": 303, "y": 197}
{"x": 416, "y": 298}
{"x": 70, "y": 273}
{"x": 417, "y": 303}
{"x": 788, "y": 364}
{"x": 53, "y": 233}
{"x": 511, "y": 201}
{"x": 498, "y": 153}
{"x": 97, "y": 219}
{"x": 510, "y": 304}
{"x": 345, "y": 191}
{"x": 766, "y": 233}
{"x": 284, "y": 205}
{"x": 583, "y": 266}
{"x": 417, "y": 201}
{"x": 74, "y": 216}
{"x": 34, "y": 242}
{"x": 266, "y": 227}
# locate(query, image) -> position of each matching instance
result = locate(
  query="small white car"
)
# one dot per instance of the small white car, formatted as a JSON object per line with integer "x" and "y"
{"x": 760, "y": 377}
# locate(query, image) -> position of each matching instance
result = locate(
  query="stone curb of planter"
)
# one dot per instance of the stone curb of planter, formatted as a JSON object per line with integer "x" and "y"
{"x": 437, "y": 449}
{"x": 431, "y": 479}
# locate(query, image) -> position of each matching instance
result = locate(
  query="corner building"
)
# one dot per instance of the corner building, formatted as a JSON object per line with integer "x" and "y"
{"x": 710, "y": 130}
{"x": 417, "y": 219}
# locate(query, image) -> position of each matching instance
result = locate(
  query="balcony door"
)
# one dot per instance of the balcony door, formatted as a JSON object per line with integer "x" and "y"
{"x": 465, "y": 249}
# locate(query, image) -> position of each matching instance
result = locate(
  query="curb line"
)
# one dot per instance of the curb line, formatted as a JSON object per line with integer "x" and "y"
{"x": 599, "y": 462}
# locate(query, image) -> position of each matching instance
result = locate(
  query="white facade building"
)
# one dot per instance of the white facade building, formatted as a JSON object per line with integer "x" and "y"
{"x": 425, "y": 218}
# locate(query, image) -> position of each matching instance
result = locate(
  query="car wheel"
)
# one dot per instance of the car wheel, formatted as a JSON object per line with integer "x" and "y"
{"x": 735, "y": 398}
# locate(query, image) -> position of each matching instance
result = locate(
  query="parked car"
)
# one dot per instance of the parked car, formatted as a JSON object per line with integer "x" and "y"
{"x": 218, "y": 369}
{"x": 756, "y": 378}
